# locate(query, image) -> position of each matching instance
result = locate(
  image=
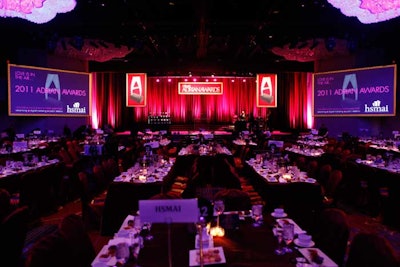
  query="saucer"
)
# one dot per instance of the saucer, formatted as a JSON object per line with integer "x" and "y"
{"x": 277, "y": 215}
{"x": 298, "y": 243}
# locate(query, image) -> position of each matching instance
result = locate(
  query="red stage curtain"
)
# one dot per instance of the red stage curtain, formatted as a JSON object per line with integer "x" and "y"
{"x": 239, "y": 93}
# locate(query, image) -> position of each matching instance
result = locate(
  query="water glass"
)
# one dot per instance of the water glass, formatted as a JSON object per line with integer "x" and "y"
{"x": 288, "y": 235}
{"x": 257, "y": 214}
{"x": 219, "y": 207}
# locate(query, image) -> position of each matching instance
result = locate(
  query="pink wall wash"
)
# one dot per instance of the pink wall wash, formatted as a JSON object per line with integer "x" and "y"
{"x": 38, "y": 11}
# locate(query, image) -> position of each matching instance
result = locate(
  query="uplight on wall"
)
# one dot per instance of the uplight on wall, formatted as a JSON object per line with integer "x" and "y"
{"x": 368, "y": 11}
{"x": 37, "y": 11}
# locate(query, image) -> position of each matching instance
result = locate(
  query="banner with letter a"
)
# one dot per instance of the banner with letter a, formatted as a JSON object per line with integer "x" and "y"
{"x": 267, "y": 90}
{"x": 136, "y": 89}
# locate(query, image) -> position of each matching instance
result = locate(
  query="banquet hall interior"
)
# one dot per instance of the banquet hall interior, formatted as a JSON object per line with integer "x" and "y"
{"x": 108, "y": 107}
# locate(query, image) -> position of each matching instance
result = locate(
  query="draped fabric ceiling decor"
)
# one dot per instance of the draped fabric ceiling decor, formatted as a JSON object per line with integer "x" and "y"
{"x": 224, "y": 37}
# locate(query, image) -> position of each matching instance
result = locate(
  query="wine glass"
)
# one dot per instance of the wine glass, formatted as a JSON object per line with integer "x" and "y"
{"x": 145, "y": 232}
{"x": 279, "y": 236}
{"x": 219, "y": 208}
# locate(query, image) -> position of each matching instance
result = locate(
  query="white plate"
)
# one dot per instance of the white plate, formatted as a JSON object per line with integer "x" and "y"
{"x": 327, "y": 261}
{"x": 272, "y": 180}
{"x": 194, "y": 256}
{"x": 298, "y": 243}
{"x": 283, "y": 215}
{"x": 310, "y": 180}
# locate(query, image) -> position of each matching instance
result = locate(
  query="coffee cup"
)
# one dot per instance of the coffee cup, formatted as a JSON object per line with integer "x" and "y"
{"x": 304, "y": 239}
{"x": 278, "y": 211}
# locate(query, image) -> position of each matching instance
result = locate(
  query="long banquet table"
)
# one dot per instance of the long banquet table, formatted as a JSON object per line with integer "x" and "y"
{"x": 302, "y": 199}
{"x": 173, "y": 245}
{"x": 244, "y": 246}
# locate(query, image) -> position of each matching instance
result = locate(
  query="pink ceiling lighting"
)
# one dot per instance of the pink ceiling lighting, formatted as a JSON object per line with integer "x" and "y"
{"x": 312, "y": 50}
{"x": 368, "y": 11}
{"x": 91, "y": 50}
{"x": 37, "y": 11}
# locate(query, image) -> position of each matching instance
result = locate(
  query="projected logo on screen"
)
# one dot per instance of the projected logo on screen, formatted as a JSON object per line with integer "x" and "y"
{"x": 376, "y": 107}
{"x": 266, "y": 90}
{"x": 355, "y": 92}
{"x": 350, "y": 79}
{"x": 52, "y": 79}
{"x": 136, "y": 90}
{"x": 76, "y": 109}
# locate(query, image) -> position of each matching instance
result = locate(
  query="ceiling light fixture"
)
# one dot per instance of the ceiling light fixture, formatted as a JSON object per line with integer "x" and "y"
{"x": 39, "y": 11}
{"x": 368, "y": 11}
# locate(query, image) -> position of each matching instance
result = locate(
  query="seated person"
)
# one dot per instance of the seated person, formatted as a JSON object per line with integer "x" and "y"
{"x": 323, "y": 131}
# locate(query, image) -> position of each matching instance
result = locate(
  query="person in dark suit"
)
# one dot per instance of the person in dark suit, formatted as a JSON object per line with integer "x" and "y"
{"x": 323, "y": 130}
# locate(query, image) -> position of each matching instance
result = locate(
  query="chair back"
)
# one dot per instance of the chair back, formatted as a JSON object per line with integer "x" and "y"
{"x": 123, "y": 199}
{"x": 234, "y": 199}
{"x": 332, "y": 185}
{"x": 13, "y": 232}
{"x": 333, "y": 234}
{"x": 370, "y": 249}
{"x": 73, "y": 230}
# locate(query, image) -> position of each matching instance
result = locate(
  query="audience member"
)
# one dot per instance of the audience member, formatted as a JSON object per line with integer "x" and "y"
{"x": 323, "y": 130}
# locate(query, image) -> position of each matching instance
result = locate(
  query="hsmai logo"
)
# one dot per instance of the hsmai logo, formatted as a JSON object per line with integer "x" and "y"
{"x": 76, "y": 108}
{"x": 376, "y": 107}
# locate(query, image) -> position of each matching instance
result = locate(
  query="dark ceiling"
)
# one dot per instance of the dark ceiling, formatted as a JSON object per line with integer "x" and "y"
{"x": 174, "y": 36}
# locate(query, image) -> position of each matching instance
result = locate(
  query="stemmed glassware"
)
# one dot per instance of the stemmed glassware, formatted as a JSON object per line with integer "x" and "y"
{"x": 219, "y": 208}
{"x": 146, "y": 231}
{"x": 279, "y": 236}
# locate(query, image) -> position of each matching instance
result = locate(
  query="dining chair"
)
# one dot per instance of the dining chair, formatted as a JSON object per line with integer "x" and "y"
{"x": 92, "y": 204}
{"x": 370, "y": 250}
{"x": 324, "y": 173}
{"x": 69, "y": 245}
{"x": 13, "y": 232}
{"x": 99, "y": 178}
{"x": 331, "y": 233}
{"x": 303, "y": 201}
{"x": 123, "y": 199}
{"x": 332, "y": 187}
{"x": 47, "y": 251}
{"x": 73, "y": 231}
{"x": 234, "y": 199}
{"x": 312, "y": 168}
{"x": 33, "y": 192}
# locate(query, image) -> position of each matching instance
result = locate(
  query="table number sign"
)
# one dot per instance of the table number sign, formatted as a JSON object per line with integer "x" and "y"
{"x": 169, "y": 210}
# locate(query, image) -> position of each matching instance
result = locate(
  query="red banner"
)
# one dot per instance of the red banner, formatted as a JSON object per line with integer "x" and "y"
{"x": 267, "y": 90}
{"x": 136, "y": 89}
{"x": 200, "y": 88}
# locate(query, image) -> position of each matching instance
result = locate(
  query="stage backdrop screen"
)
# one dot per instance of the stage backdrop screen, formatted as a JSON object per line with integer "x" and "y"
{"x": 355, "y": 92}
{"x": 34, "y": 91}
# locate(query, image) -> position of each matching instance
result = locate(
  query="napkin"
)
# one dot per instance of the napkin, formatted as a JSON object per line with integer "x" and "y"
{"x": 315, "y": 254}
